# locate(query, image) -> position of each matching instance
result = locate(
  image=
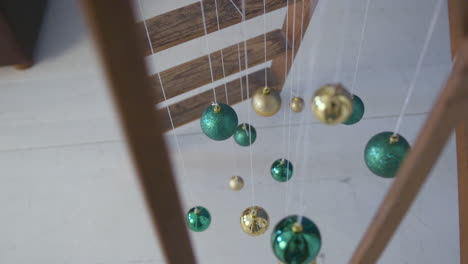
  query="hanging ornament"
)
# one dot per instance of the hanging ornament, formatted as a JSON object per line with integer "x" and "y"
{"x": 296, "y": 243}
{"x": 198, "y": 219}
{"x": 245, "y": 134}
{"x": 254, "y": 221}
{"x": 266, "y": 102}
{"x": 358, "y": 111}
{"x": 384, "y": 153}
{"x": 297, "y": 104}
{"x": 332, "y": 104}
{"x": 281, "y": 170}
{"x": 218, "y": 121}
{"x": 236, "y": 183}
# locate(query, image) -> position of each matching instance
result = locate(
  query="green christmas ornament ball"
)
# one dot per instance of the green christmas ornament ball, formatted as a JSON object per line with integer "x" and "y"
{"x": 384, "y": 154}
{"x": 198, "y": 219}
{"x": 218, "y": 121}
{"x": 245, "y": 135}
{"x": 296, "y": 243}
{"x": 358, "y": 111}
{"x": 282, "y": 170}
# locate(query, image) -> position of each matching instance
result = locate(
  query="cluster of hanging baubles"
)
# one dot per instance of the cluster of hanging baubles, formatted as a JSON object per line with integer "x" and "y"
{"x": 293, "y": 241}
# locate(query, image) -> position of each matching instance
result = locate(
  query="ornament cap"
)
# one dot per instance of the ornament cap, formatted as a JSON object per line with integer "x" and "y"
{"x": 266, "y": 90}
{"x": 394, "y": 139}
{"x": 216, "y": 108}
{"x": 297, "y": 228}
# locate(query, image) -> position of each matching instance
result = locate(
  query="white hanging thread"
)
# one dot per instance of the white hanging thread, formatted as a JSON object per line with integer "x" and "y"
{"x": 179, "y": 152}
{"x": 207, "y": 47}
{"x": 265, "y": 40}
{"x": 284, "y": 112}
{"x": 222, "y": 55}
{"x": 246, "y": 61}
{"x": 321, "y": 8}
{"x": 358, "y": 59}
{"x": 339, "y": 61}
{"x": 412, "y": 85}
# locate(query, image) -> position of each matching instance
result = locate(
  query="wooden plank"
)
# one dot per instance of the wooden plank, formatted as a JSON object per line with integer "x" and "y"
{"x": 446, "y": 113}
{"x": 458, "y": 18}
{"x": 185, "y": 23}
{"x": 279, "y": 66}
{"x": 190, "y": 109}
{"x": 112, "y": 20}
{"x": 195, "y": 73}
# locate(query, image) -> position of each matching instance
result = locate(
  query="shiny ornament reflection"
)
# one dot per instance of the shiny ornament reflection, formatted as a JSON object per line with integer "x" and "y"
{"x": 281, "y": 170}
{"x": 245, "y": 135}
{"x": 297, "y": 104}
{"x": 296, "y": 243}
{"x": 358, "y": 111}
{"x": 266, "y": 101}
{"x": 384, "y": 154}
{"x": 236, "y": 183}
{"x": 218, "y": 121}
{"x": 332, "y": 104}
{"x": 254, "y": 221}
{"x": 198, "y": 219}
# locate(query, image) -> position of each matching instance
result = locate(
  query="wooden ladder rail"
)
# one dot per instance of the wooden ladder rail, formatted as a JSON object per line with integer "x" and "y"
{"x": 123, "y": 61}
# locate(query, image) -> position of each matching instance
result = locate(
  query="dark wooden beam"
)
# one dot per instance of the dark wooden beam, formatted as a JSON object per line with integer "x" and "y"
{"x": 195, "y": 73}
{"x": 279, "y": 66}
{"x": 185, "y": 23}
{"x": 458, "y": 18}
{"x": 190, "y": 109}
{"x": 20, "y": 23}
{"x": 449, "y": 110}
{"x": 113, "y": 26}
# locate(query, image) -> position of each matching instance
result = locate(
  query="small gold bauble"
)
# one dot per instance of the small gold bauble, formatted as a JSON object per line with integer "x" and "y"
{"x": 254, "y": 221}
{"x": 297, "y": 104}
{"x": 236, "y": 183}
{"x": 332, "y": 104}
{"x": 266, "y": 102}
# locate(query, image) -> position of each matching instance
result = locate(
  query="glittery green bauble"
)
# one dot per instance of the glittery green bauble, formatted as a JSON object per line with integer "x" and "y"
{"x": 384, "y": 154}
{"x": 218, "y": 123}
{"x": 358, "y": 111}
{"x": 241, "y": 135}
{"x": 296, "y": 243}
{"x": 282, "y": 170}
{"x": 198, "y": 219}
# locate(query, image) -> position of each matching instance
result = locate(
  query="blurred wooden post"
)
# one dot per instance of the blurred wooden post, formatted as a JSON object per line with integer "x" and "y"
{"x": 458, "y": 17}
{"x": 449, "y": 110}
{"x": 118, "y": 42}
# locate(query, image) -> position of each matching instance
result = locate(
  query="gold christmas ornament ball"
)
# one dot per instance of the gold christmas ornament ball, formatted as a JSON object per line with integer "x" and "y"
{"x": 266, "y": 101}
{"x": 332, "y": 104}
{"x": 297, "y": 104}
{"x": 236, "y": 183}
{"x": 254, "y": 221}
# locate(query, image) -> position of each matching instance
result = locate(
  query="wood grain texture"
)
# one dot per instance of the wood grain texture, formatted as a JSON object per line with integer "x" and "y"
{"x": 195, "y": 73}
{"x": 282, "y": 64}
{"x": 458, "y": 18}
{"x": 190, "y": 109}
{"x": 112, "y": 20}
{"x": 445, "y": 115}
{"x": 185, "y": 23}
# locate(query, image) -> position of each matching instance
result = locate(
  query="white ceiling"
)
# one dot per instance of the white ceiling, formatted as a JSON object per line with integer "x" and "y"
{"x": 68, "y": 191}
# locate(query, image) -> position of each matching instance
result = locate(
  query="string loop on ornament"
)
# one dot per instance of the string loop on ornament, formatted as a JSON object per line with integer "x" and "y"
{"x": 207, "y": 47}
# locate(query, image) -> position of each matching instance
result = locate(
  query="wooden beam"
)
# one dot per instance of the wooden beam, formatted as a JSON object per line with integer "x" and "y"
{"x": 282, "y": 64}
{"x": 458, "y": 18}
{"x": 190, "y": 109}
{"x": 185, "y": 23}
{"x": 195, "y": 73}
{"x": 117, "y": 39}
{"x": 450, "y": 108}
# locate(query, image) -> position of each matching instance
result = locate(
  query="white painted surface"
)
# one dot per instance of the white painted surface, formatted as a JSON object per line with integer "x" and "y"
{"x": 68, "y": 191}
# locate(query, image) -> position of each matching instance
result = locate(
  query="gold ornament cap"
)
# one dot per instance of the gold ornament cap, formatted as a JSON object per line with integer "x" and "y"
{"x": 266, "y": 101}
{"x": 297, "y": 104}
{"x": 332, "y": 104}
{"x": 236, "y": 183}
{"x": 254, "y": 221}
